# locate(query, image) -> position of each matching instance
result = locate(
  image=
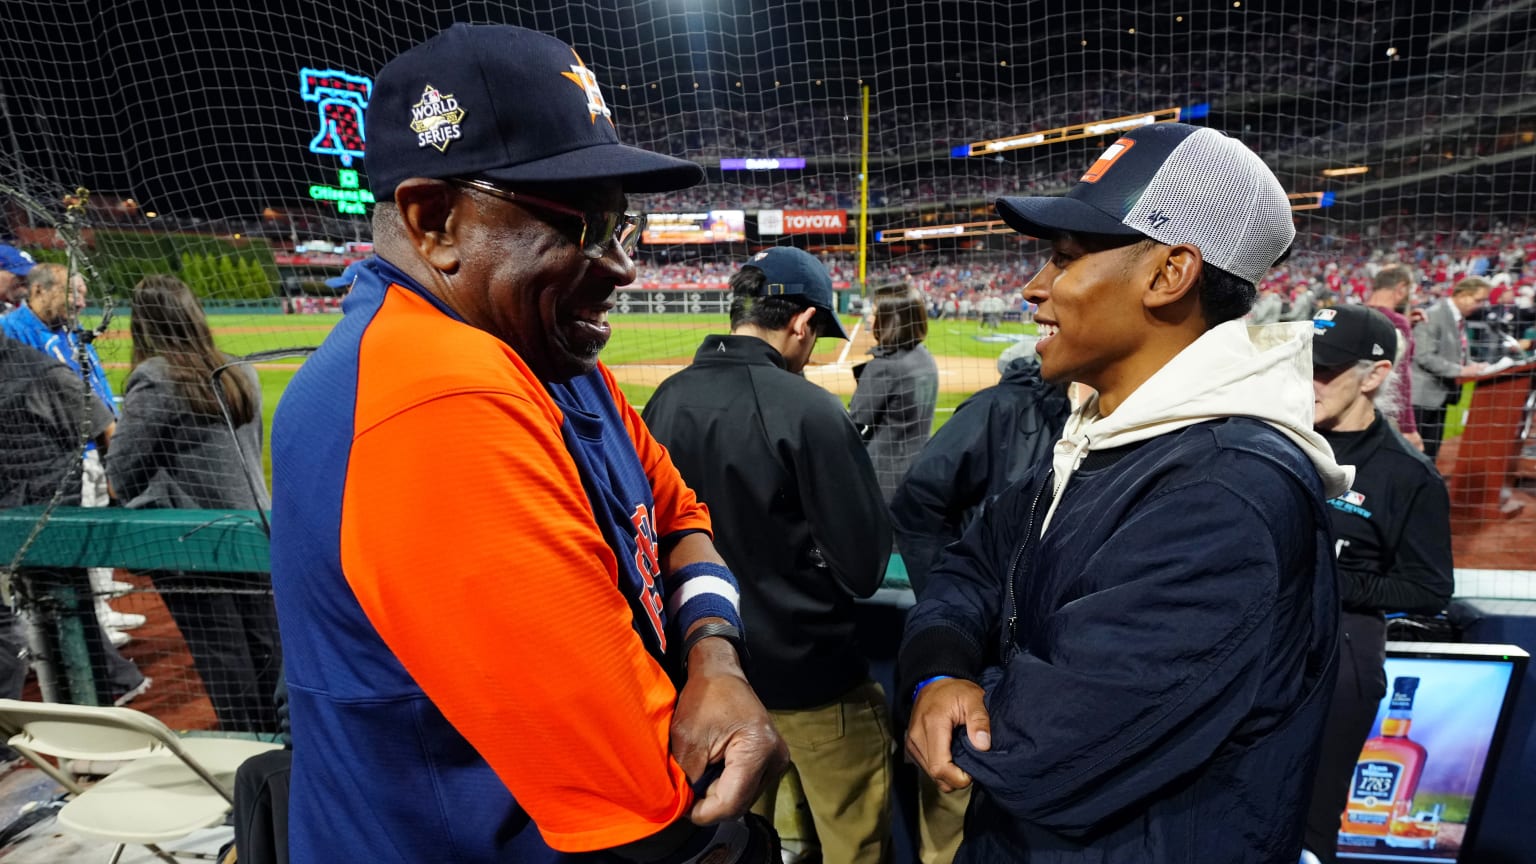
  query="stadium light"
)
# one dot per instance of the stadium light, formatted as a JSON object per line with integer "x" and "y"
{"x": 1067, "y": 133}
{"x": 1346, "y": 171}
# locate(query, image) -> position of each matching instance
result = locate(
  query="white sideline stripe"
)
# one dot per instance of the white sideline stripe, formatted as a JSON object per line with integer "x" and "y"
{"x": 848, "y": 344}
{"x": 699, "y": 585}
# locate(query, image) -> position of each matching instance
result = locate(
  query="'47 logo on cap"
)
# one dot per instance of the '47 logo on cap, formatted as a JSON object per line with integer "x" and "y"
{"x": 436, "y": 118}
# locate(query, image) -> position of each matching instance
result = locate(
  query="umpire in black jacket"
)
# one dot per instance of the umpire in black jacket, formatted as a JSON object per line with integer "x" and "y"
{"x": 1393, "y": 538}
{"x": 799, "y": 517}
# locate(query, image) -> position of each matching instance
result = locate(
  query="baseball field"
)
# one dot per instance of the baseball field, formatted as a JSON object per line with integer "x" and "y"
{"x": 645, "y": 349}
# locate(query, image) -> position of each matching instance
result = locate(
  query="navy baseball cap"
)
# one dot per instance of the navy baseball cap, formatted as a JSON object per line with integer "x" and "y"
{"x": 15, "y": 261}
{"x": 1345, "y": 335}
{"x": 794, "y": 272}
{"x": 1174, "y": 183}
{"x": 503, "y": 103}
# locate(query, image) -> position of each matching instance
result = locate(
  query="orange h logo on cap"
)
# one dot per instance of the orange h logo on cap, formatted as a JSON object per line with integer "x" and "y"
{"x": 1110, "y": 157}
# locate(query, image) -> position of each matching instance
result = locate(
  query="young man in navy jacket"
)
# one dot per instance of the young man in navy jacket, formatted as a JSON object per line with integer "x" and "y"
{"x": 1129, "y": 656}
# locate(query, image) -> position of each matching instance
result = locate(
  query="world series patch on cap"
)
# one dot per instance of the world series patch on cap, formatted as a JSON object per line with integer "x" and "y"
{"x": 1176, "y": 184}
{"x": 503, "y": 103}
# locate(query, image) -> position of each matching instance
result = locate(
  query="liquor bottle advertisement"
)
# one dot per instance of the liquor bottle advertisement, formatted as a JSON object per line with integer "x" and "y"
{"x": 1418, "y": 773}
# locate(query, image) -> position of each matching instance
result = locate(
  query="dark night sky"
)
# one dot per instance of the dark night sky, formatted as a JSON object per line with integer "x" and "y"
{"x": 197, "y": 109}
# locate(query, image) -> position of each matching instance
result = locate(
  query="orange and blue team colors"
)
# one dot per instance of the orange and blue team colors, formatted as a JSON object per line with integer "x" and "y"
{"x": 466, "y": 564}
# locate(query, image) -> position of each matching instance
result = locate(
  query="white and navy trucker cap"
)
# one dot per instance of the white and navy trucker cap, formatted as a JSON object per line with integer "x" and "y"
{"x": 1174, "y": 183}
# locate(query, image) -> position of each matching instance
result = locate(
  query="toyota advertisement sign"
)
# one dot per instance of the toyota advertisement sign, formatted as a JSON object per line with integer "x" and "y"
{"x": 770, "y": 222}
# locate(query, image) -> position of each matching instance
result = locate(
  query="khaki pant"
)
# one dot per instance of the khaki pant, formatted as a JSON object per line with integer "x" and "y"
{"x": 940, "y": 820}
{"x": 842, "y": 753}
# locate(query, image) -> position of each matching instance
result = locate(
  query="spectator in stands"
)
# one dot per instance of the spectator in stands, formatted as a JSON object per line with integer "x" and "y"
{"x": 801, "y": 522}
{"x": 1392, "y": 535}
{"x": 14, "y": 267}
{"x": 174, "y": 449}
{"x": 1267, "y": 308}
{"x": 46, "y": 415}
{"x": 994, "y": 439}
{"x": 1440, "y": 357}
{"x": 897, "y": 391}
{"x": 1391, "y": 294}
{"x": 1128, "y": 656}
{"x": 475, "y": 539}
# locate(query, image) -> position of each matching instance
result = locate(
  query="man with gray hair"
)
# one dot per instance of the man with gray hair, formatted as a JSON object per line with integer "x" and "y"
{"x": 1393, "y": 541}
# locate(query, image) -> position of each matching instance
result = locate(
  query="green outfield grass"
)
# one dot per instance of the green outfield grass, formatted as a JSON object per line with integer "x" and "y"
{"x": 656, "y": 338}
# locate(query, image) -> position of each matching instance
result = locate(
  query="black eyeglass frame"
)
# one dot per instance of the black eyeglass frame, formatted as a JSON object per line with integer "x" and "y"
{"x": 622, "y": 228}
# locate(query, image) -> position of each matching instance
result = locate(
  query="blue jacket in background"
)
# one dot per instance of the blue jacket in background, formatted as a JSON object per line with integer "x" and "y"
{"x": 1171, "y": 659}
{"x": 60, "y": 343}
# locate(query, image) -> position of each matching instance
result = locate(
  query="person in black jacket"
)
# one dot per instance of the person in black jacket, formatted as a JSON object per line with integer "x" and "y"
{"x": 993, "y": 440}
{"x": 800, "y": 520}
{"x": 1393, "y": 539}
{"x": 1128, "y": 657}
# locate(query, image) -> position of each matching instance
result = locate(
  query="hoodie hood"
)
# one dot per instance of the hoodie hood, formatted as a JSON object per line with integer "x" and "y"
{"x": 1232, "y": 370}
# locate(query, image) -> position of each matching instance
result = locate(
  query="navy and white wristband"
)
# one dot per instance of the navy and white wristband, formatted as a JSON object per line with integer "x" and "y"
{"x": 702, "y": 590}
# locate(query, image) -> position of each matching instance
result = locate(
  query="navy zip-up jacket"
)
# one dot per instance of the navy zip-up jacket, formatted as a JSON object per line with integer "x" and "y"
{"x": 1157, "y": 666}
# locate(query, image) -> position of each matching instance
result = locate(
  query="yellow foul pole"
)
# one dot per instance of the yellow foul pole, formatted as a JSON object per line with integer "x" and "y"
{"x": 864, "y": 198}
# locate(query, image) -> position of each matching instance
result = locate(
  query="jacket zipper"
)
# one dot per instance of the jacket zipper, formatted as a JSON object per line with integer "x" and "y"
{"x": 1011, "y": 631}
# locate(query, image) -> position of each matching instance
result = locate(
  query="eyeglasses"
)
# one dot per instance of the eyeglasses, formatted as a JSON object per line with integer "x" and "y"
{"x": 598, "y": 227}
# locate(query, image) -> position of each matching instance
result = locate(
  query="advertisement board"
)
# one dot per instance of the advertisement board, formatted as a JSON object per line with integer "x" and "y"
{"x": 771, "y": 222}
{"x": 715, "y": 226}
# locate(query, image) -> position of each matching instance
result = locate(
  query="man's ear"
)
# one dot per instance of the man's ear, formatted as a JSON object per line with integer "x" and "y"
{"x": 803, "y": 322}
{"x": 429, "y": 214}
{"x": 1377, "y": 377}
{"x": 1176, "y": 273}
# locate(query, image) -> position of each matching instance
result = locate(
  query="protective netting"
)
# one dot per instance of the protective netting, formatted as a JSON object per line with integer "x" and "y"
{"x": 222, "y": 147}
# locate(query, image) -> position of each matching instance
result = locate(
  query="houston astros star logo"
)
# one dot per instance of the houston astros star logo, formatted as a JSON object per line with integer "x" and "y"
{"x": 583, "y": 78}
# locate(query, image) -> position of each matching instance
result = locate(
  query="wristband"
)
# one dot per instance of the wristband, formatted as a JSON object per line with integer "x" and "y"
{"x": 729, "y": 632}
{"x": 702, "y": 590}
{"x": 925, "y": 682}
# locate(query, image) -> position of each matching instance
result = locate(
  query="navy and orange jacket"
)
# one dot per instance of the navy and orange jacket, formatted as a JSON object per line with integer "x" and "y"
{"x": 467, "y": 576}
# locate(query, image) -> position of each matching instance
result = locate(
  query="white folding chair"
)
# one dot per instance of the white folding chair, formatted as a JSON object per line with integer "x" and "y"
{"x": 170, "y": 786}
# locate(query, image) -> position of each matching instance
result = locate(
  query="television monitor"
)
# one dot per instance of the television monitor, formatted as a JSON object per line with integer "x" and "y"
{"x": 1423, "y": 776}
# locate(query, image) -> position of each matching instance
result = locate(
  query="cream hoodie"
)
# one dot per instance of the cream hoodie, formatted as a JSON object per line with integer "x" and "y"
{"x": 1231, "y": 370}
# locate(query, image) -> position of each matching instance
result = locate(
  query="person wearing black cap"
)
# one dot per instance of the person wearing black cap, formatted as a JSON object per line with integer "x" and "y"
{"x": 802, "y": 523}
{"x": 1393, "y": 539}
{"x": 508, "y": 635}
{"x": 1128, "y": 656}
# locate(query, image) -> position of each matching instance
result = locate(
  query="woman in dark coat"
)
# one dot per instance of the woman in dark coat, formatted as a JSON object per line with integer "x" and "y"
{"x": 173, "y": 450}
{"x": 898, "y": 390}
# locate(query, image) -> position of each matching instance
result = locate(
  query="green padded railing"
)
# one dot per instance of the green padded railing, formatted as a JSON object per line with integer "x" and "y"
{"x": 207, "y": 541}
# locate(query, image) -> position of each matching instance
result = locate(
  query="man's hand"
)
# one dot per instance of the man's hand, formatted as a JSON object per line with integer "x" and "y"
{"x": 1474, "y": 369}
{"x": 719, "y": 718}
{"x": 941, "y": 707}
{"x": 1415, "y": 439}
